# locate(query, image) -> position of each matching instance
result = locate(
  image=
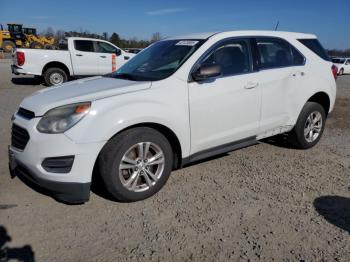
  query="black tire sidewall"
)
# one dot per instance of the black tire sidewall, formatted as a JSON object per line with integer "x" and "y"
{"x": 298, "y": 131}
{"x": 113, "y": 152}
{"x": 341, "y": 72}
{"x": 51, "y": 71}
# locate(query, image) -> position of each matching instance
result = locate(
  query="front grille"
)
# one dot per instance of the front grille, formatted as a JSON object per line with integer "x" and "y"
{"x": 25, "y": 113}
{"x": 19, "y": 137}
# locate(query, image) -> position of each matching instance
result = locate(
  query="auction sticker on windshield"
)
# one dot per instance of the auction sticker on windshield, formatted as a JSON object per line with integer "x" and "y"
{"x": 187, "y": 42}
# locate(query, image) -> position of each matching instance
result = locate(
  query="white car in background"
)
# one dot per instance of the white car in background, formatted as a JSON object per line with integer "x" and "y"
{"x": 81, "y": 57}
{"x": 178, "y": 101}
{"x": 343, "y": 65}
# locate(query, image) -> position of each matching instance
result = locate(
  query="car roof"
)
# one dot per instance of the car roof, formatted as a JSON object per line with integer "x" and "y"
{"x": 84, "y": 38}
{"x": 207, "y": 35}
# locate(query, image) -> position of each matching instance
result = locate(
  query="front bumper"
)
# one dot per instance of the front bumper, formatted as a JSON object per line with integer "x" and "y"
{"x": 67, "y": 192}
{"x": 72, "y": 186}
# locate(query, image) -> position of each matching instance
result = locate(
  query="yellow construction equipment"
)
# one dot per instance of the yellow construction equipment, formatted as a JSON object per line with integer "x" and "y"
{"x": 11, "y": 38}
{"x": 36, "y": 41}
{"x": 17, "y": 36}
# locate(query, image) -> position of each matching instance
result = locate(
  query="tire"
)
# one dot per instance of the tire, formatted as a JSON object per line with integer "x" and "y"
{"x": 341, "y": 72}
{"x": 55, "y": 76}
{"x": 116, "y": 174}
{"x": 36, "y": 45}
{"x": 297, "y": 138}
{"x": 8, "y": 46}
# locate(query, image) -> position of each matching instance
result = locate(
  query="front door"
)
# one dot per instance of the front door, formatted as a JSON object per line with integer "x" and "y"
{"x": 225, "y": 109}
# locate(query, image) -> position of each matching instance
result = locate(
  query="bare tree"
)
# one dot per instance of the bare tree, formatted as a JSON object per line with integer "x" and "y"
{"x": 156, "y": 37}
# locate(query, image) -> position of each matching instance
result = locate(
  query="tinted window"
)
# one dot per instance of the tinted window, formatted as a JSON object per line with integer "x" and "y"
{"x": 298, "y": 58}
{"x": 103, "y": 47}
{"x": 348, "y": 62}
{"x": 232, "y": 56}
{"x": 315, "y": 46}
{"x": 274, "y": 53}
{"x": 84, "y": 45}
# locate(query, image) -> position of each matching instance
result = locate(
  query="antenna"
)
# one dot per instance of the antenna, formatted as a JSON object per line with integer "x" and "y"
{"x": 276, "y": 27}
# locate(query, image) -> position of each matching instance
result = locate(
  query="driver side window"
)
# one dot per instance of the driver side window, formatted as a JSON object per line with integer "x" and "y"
{"x": 103, "y": 47}
{"x": 232, "y": 56}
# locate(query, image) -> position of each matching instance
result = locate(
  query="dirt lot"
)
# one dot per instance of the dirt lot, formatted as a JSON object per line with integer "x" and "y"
{"x": 265, "y": 202}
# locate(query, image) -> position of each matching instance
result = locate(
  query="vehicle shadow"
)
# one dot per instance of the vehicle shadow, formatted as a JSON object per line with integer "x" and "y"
{"x": 335, "y": 209}
{"x": 26, "y": 80}
{"x": 24, "y": 253}
{"x": 98, "y": 187}
{"x": 279, "y": 141}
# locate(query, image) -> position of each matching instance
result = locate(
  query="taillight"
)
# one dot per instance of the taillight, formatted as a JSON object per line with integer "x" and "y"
{"x": 20, "y": 58}
{"x": 335, "y": 71}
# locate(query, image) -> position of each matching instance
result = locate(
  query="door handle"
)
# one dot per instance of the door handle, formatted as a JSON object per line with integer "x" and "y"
{"x": 126, "y": 57}
{"x": 251, "y": 85}
{"x": 298, "y": 73}
{"x": 103, "y": 56}
{"x": 79, "y": 55}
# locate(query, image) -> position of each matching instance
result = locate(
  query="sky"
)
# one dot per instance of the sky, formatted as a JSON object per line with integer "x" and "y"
{"x": 329, "y": 20}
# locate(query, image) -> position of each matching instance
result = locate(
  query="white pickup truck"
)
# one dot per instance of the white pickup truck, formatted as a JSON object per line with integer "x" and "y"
{"x": 82, "y": 57}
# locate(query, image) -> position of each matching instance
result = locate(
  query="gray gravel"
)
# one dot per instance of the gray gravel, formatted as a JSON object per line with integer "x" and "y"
{"x": 265, "y": 202}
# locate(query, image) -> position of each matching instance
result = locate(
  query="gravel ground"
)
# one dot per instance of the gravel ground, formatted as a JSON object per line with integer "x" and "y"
{"x": 265, "y": 202}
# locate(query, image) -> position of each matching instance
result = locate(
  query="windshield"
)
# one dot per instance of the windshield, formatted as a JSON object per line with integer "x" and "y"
{"x": 159, "y": 61}
{"x": 338, "y": 60}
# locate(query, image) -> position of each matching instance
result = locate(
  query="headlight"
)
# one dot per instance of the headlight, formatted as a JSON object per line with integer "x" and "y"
{"x": 60, "y": 119}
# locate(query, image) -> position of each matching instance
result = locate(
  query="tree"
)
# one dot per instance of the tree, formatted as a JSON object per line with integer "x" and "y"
{"x": 115, "y": 39}
{"x": 156, "y": 37}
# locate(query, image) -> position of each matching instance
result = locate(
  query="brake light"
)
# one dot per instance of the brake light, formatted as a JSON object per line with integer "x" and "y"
{"x": 20, "y": 58}
{"x": 335, "y": 71}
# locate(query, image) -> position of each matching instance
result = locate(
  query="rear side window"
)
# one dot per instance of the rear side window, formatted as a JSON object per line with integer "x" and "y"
{"x": 315, "y": 46}
{"x": 84, "y": 45}
{"x": 276, "y": 53}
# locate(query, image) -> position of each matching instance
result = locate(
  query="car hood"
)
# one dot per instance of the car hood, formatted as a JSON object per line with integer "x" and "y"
{"x": 88, "y": 89}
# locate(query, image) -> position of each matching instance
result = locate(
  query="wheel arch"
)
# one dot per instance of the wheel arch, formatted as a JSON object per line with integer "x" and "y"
{"x": 166, "y": 131}
{"x": 323, "y": 99}
{"x": 58, "y": 65}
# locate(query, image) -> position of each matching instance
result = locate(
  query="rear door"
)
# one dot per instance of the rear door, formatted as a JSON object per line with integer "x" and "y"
{"x": 84, "y": 58}
{"x": 110, "y": 58}
{"x": 280, "y": 77}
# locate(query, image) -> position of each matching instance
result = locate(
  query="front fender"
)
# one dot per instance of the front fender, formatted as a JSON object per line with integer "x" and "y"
{"x": 109, "y": 116}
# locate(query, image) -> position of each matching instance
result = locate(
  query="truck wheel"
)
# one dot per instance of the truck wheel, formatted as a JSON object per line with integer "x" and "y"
{"x": 8, "y": 46}
{"x": 55, "y": 76}
{"x": 36, "y": 45}
{"x": 136, "y": 164}
{"x": 341, "y": 72}
{"x": 309, "y": 127}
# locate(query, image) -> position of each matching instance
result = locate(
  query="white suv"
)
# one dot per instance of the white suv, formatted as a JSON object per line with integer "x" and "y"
{"x": 180, "y": 100}
{"x": 343, "y": 65}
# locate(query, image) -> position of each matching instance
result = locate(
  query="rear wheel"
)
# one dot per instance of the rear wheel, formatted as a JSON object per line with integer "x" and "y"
{"x": 8, "y": 46}
{"x": 309, "y": 127}
{"x": 341, "y": 72}
{"x": 136, "y": 164}
{"x": 55, "y": 76}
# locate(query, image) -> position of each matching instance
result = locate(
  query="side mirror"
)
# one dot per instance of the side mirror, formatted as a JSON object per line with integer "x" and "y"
{"x": 206, "y": 71}
{"x": 118, "y": 52}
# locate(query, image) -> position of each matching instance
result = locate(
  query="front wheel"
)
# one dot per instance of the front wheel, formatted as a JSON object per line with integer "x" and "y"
{"x": 136, "y": 164}
{"x": 309, "y": 127}
{"x": 55, "y": 76}
{"x": 341, "y": 72}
